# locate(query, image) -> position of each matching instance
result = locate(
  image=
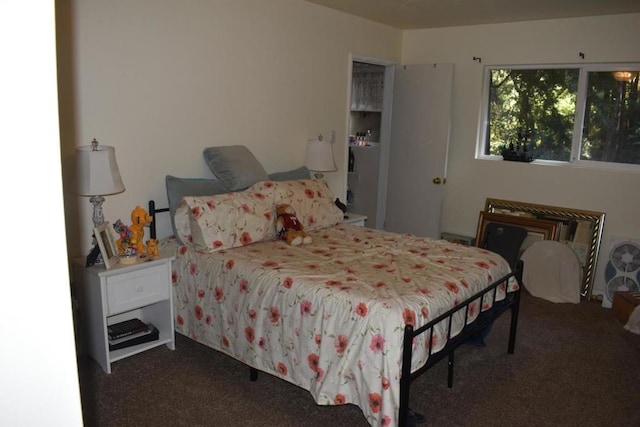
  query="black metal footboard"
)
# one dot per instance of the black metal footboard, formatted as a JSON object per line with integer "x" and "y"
{"x": 485, "y": 318}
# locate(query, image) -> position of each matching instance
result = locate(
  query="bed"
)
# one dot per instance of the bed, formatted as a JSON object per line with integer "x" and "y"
{"x": 353, "y": 318}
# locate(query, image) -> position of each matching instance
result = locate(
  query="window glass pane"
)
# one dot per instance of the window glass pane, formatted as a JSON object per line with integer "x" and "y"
{"x": 611, "y": 131}
{"x": 537, "y": 102}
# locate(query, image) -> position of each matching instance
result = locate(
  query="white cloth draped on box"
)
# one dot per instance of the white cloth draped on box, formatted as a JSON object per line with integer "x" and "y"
{"x": 552, "y": 272}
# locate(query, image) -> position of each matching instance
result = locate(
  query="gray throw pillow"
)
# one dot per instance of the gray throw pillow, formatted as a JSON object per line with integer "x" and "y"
{"x": 293, "y": 175}
{"x": 235, "y": 166}
{"x": 177, "y": 188}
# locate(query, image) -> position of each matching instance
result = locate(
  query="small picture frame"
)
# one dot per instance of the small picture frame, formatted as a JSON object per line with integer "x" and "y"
{"x": 107, "y": 244}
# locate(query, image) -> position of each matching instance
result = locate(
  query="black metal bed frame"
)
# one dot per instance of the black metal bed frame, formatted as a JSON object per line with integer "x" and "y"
{"x": 152, "y": 212}
{"x": 484, "y": 319}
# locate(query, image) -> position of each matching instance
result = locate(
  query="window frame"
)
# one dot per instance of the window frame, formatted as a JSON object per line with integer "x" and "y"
{"x": 579, "y": 115}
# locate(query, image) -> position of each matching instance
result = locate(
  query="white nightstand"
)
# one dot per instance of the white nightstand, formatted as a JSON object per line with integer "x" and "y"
{"x": 354, "y": 219}
{"x": 123, "y": 292}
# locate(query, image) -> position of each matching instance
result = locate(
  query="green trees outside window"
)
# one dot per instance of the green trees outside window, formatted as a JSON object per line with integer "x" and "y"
{"x": 588, "y": 114}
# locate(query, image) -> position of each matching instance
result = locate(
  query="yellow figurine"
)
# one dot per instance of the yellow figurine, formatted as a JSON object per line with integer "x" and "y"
{"x": 139, "y": 218}
{"x": 152, "y": 247}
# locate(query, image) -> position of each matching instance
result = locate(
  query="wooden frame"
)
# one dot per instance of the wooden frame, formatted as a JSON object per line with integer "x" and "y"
{"x": 593, "y": 220}
{"x": 537, "y": 229}
{"x": 107, "y": 244}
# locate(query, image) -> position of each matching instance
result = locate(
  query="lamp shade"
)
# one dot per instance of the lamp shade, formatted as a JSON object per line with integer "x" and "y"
{"x": 97, "y": 171}
{"x": 624, "y": 76}
{"x": 320, "y": 156}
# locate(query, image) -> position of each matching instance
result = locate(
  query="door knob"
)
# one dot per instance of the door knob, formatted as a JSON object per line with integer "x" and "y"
{"x": 437, "y": 180}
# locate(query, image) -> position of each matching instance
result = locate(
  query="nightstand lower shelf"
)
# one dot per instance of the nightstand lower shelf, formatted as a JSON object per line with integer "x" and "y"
{"x": 122, "y": 353}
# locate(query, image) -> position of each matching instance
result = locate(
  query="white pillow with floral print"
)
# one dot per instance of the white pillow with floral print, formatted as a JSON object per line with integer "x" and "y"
{"x": 312, "y": 200}
{"x": 223, "y": 221}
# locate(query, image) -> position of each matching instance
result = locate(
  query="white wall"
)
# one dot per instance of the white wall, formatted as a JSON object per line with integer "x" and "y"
{"x": 162, "y": 79}
{"x": 470, "y": 181}
{"x": 38, "y": 374}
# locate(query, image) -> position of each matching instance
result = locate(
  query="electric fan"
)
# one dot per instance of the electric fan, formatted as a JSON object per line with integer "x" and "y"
{"x": 622, "y": 272}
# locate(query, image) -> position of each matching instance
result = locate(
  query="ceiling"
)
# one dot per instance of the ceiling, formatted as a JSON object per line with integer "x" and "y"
{"x": 414, "y": 14}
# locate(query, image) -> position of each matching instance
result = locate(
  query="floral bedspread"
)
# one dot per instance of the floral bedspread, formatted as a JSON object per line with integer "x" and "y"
{"x": 329, "y": 316}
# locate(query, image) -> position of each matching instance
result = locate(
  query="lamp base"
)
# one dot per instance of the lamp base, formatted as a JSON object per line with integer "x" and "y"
{"x": 98, "y": 216}
{"x": 95, "y": 257}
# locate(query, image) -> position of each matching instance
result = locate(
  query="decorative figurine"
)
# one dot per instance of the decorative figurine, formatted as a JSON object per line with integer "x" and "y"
{"x": 124, "y": 233}
{"x": 152, "y": 247}
{"x": 521, "y": 152}
{"x": 139, "y": 218}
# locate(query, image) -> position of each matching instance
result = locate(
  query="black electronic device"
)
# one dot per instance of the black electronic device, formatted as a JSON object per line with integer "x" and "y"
{"x": 93, "y": 256}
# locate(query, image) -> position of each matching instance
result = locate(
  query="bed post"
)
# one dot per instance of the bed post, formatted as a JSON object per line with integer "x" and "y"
{"x": 405, "y": 378}
{"x": 450, "y": 364}
{"x": 152, "y": 214}
{"x": 515, "y": 309}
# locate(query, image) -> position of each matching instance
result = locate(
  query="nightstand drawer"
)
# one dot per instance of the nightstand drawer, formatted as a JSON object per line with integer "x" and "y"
{"x": 137, "y": 289}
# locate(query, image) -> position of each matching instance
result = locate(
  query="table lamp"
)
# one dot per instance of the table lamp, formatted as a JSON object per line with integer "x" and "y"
{"x": 320, "y": 157}
{"x": 97, "y": 175}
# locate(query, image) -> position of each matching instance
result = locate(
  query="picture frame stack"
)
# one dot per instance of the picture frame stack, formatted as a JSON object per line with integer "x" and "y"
{"x": 579, "y": 229}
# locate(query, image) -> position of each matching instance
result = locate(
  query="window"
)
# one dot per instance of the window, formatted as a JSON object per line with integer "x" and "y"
{"x": 581, "y": 114}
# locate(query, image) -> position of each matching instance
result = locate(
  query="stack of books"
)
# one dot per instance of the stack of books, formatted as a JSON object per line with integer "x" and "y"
{"x": 130, "y": 332}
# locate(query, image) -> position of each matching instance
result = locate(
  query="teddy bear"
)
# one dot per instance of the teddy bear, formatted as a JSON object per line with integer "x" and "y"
{"x": 139, "y": 218}
{"x": 289, "y": 227}
{"x": 152, "y": 247}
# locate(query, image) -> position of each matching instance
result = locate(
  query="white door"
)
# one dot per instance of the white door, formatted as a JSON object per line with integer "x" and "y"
{"x": 420, "y": 125}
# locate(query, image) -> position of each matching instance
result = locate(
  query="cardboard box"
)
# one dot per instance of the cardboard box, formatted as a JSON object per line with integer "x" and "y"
{"x": 624, "y": 303}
